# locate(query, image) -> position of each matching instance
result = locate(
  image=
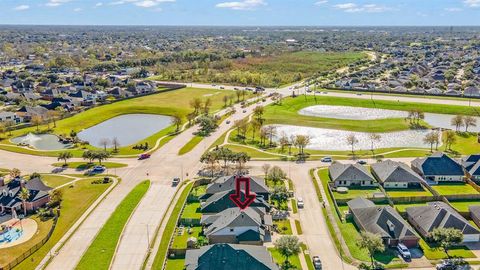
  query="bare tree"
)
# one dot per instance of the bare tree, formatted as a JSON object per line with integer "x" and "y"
{"x": 352, "y": 141}
{"x": 469, "y": 121}
{"x": 105, "y": 142}
{"x": 458, "y": 122}
{"x": 301, "y": 141}
{"x": 271, "y": 132}
{"x": 374, "y": 137}
{"x": 115, "y": 143}
{"x": 266, "y": 168}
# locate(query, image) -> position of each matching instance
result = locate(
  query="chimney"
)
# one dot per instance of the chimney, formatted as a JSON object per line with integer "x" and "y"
{"x": 2, "y": 181}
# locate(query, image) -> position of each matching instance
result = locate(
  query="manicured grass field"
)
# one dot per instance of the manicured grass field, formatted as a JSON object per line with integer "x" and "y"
{"x": 416, "y": 192}
{"x": 433, "y": 253}
{"x": 298, "y": 226}
{"x": 180, "y": 240}
{"x": 175, "y": 264}
{"x": 102, "y": 249}
{"x": 190, "y": 145}
{"x": 462, "y": 206}
{"x": 283, "y": 226}
{"x": 357, "y": 192}
{"x": 402, "y": 207}
{"x": 279, "y": 259}
{"x": 55, "y": 180}
{"x": 454, "y": 189}
{"x": 199, "y": 191}
{"x": 294, "y": 206}
{"x": 192, "y": 211}
{"x": 170, "y": 228}
{"x": 85, "y": 166}
{"x": 75, "y": 202}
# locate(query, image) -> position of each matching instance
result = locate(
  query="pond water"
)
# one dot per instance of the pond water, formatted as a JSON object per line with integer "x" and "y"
{"x": 359, "y": 113}
{"x": 335, "y": 140}
{"x": 128, "y": 129}
{"x": 41, "y": 141}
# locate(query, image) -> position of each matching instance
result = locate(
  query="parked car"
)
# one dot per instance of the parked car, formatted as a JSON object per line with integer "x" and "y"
{"x": 143, "y": 156}
{"x": 236, "y": 88}
{"x": 300, "y": 203}
{"x": 228, "y": 122}
{"x": 97, "y": 169}
{"x": 404, "y": 252}
{"x": 446, "y": 265}
{"x": 244, "y": 111}
{"x": 362, "y": 162}
{"x": 221, "y": 87}
{"x": 317, "y": 263}
{"x": 326, "y": 159}
{"x": 175, "y": 181}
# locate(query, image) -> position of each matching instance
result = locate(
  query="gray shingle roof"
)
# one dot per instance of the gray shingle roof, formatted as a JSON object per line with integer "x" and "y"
{"x": 225, "y": 183}
{"x": 438, "y": 164}
{"x": 234, "y": 217}
{"x": 349, "y": 172}
{"x": 360, "y": 203}
{"x": 391, "y": 171}
{"x": 229, "y": 256}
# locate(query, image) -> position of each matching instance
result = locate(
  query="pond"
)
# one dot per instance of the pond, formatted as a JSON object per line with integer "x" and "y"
{"x": 336, "y": 140}
{"x": 128, "y": 129}
{"x": 359, "y": 113}
{"x": 41, "y": 141}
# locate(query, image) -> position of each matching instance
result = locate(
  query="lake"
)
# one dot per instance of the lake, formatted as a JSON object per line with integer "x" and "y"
{"x": 41, "y": 141}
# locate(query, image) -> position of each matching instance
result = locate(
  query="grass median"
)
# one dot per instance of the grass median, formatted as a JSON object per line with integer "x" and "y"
{"x": 101, "y": 251}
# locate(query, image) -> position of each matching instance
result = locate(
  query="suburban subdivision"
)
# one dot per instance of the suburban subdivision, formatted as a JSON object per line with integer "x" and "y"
{"x": 129, "y": 143}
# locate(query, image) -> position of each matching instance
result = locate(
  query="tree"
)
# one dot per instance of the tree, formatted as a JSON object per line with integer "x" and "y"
{"x": 280, "y": 195}
{"x": 283, "y": 141}
{"x": 196, "y": 104}
{"x": 254, "y": 126}
{"x": 56, "y": 197}
{"x": 287, "y": 246}
{"x": 53, "y": 116}
{"x": 65, "y": 156}
{"x": 9, "y": 126}
{"x": 449, "y": 139}
{"x": 258, "y": 113}
{"x": 24, "y": 195}
{"x": 37, "y": 121}
{"x": 101, "y": 156}
{"x": 301, "y": 141}
{"x": 206, "y": 106}
{"x": 431, "y": 138}
{"x": 241, "y": 158}
{"x": 224, "y": 154}
{"x": 88, "y": 155}
{"x": 116, "y": 144}
{"x": 225, "y": 100}
{"x": 469, "y": 121}
{"x": 105, "y": 142}
{"x": 352, "y": 141}
{"x": 372, "y": 243}
{"x": 374, "y": 137}
{"x": 446, "y": 238}
{"x": 15, "y": 173}
{"x": 190, "y": 118}
{"x": 2, "y": 128}
{"x": 276, "y": 174}
{"x": 263, "y": 135}
{"x": 271, "y": 132}
{"x": 458, "y": 122}
{"x": 211, "y": 159}
{"x": 207, "y": 125}
{"x": 266, "y": 169}
{"x": 177, "y": 121}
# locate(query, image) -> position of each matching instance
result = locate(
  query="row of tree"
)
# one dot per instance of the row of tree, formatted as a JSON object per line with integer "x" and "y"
{"x": 227, "y": 157}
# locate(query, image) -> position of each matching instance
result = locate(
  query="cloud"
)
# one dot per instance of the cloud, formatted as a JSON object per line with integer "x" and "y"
{"x": 22, "y": 7}
{"x": 99, "y": 4}
{"x": 141, "y": 3}
{"x": 242, "y": 5}
{"x": 56, "y": 3}
{"x": 369, "y": 8}
{"x": 322, "y": 2}
{"x": 77, "y": 9}
{"x": 453, "y": 9}
{"x": 472, "y": 3}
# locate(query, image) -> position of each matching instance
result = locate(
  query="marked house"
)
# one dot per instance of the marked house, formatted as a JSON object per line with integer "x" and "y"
{"x": 9, "y": 200}
{"x": 224, "y": 183}
{"x": 382, "y": 220}
{"x": 439, "y": 168}
{"x": 350, "y": 175}
{"x": 235, "y": 226}
{"x": 440, "y": 215}
{"x": 392, "y": 174}
{"x": 221, "y": 201}
{"x": 228, "y": 256}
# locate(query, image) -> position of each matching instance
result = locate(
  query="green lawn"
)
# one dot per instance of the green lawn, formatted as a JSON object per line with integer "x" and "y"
{"x": 402, "y": 207}
{"x": 175, "y": 264}
{"x": 279, "y": 259}
{"x": 294, "y": 206}
{"x": 433, "y": 253}
{"x": 190, "y": 145}
{"x": 170, "y": 228}
{"x": 462, "y": 206}
{"x": 454, "y": 189}
{"x": 283, "y": 226}
{"x": 192, "y": 211}
{"x": 199, "y": 191}
{"x": 357, "y": 192}
{"x": 101, "y": 251}
{"x": 55, "y": 180}
{"x": 76, "y": 201}
{"x": 410, "y": 192}
{"x": 298, "y": 226}
{"x": 85, "y": 165}
{"x": 164, "y": 103}
{"x": 181, "y": 236}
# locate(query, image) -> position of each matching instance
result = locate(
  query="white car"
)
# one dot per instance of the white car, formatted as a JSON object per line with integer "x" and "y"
{"x": 326, "y": 159}
{"x": 300, "y": 203}
{"x": 404, "y": 252}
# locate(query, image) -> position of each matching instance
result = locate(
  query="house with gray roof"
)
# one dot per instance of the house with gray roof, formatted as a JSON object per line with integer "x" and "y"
{"x": 475, "y": 213}
{"x": 10, "y": 202}
{"x": 439, "y": 167}
{"x": 382, "y": 220}
{"x": 392, "y": 174}
{"x": 221, "y": 201}
{"x": 236, "y": 226}
{"x": 350, "y": 175}
{"x": 228, "y": 256}
{"x": 224, "y": 183}
{"x": 440, "y": 215}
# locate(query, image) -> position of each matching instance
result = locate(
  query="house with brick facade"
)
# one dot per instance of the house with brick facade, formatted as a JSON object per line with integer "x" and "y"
{"x": 9, "y": 195}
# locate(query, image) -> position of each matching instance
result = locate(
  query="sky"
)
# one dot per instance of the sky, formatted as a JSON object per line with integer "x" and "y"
{"x": 242, "y": 12}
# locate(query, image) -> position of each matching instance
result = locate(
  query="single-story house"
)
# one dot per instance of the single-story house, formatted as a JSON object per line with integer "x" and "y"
{"x": 221, "y": 201}
{"x": 440, "y": 215}
{"x": 10, "y": 116}
{"x": 224, "y": 183}
{"x": 229, "y": 256}
{"x": 392, "y": 174}
{"x": 9, "y": 201}
{"x": 471, "y": 165}
{"x": 475, "y": 213}
{"x": 27, "y": 112}
{"x": 236, "y": 226}
{"x": 382, "y": 220}
{"x": 439, "y": 167}
{"x": 350, "y": 175}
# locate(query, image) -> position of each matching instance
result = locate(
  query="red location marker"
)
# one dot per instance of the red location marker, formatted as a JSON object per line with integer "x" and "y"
{"x": 243, "y": 202}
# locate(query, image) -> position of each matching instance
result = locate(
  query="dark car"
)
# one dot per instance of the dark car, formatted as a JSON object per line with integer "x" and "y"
{"x": 175, "y": 181}
{"x": 362, "y": 162}
{"x": 144, "y": 156}
{"x": 317, "y": 263}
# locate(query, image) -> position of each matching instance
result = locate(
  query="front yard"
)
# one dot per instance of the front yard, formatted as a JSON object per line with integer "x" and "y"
{"x": 183, "y": 233}
{"x": 283, "y": 226}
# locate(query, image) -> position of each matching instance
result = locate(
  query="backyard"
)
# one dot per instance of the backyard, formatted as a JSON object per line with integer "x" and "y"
{"x": 410, "y": 192}
{"x": 454, "y": 189}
